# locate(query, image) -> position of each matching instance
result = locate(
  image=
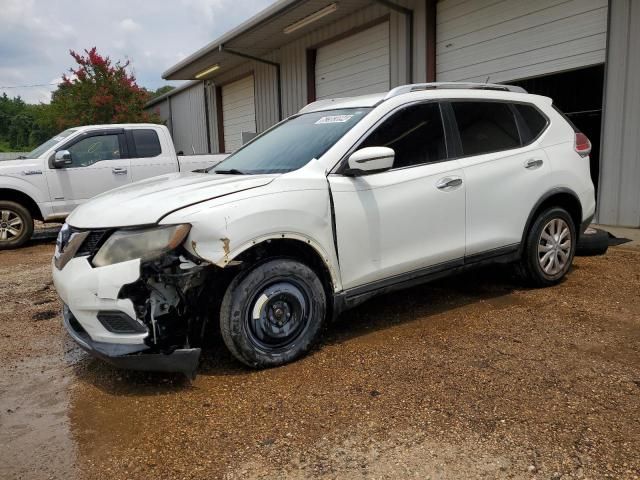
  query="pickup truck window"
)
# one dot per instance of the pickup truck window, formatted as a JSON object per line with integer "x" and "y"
{"x": 146, "y": 142}
{"x": 50, "y": 143}
{"x": 90, "y": 150}
{"x": 293, "y": 143}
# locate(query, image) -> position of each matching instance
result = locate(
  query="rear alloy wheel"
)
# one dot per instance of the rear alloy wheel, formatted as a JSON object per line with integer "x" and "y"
{"x": 16, "y": 225}
{"x": 554, "y": 247}
{"x": 273, "y": 314}
{"x": 550, "y": 247}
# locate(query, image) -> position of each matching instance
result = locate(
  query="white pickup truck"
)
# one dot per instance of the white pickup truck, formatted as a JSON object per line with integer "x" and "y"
{"x": 79, "y": 164}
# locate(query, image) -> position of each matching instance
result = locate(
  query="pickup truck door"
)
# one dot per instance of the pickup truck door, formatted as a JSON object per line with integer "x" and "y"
{"x": 407, "y": 221}
{"x": 150, "y": 156}
{"x": 100, "y": 163}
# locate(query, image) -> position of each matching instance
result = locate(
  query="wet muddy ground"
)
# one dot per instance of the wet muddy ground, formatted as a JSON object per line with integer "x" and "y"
{"x": 470, "y": 377}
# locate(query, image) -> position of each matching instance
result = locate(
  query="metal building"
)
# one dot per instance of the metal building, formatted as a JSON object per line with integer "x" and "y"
{"x": 583, "y": 53}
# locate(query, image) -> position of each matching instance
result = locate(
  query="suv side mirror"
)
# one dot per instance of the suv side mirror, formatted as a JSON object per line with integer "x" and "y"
{"x": 370, "y": 160}
{"x": 62, "y": 158}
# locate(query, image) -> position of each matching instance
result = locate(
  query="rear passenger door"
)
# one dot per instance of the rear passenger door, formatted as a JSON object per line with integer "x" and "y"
{"x": 506, "y": 171}
{"x": 148, "y": 158}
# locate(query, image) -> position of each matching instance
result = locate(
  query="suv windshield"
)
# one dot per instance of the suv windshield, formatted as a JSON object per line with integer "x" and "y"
{"x": 292, "y": 144}
{"x": 50, "y": 143}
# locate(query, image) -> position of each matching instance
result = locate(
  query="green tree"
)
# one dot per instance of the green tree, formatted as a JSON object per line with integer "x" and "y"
{"x": 161, "y": 91}
{"x": 99, "y": 91}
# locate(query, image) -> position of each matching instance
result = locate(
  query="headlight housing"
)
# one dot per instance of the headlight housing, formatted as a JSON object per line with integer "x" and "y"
{"x": 148, "y": 243}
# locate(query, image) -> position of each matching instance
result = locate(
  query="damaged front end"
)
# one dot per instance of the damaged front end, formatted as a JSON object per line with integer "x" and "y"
{"x": 170, "y": 307}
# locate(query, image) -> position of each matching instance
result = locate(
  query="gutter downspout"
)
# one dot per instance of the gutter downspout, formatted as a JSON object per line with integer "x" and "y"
{"x": 222, "y": 48}
{"x": 409, "y": 15}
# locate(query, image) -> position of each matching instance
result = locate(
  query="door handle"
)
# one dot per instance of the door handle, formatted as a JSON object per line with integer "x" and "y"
{"x": 449, "y": 183}
{"x": 119, "y": 171}
{"x": 533, "y": 163}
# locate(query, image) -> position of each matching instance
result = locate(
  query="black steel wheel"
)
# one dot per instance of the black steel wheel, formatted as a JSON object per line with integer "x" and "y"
{"x": 273, "y": 314}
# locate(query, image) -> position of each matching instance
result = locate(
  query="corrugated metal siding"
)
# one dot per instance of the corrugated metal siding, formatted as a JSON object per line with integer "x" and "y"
{"x": 184, "y": 115}
{"x": 356, "y": 65}
{"x": 619, "y": 193}
{"x": 189, "y": 121}
{"x": 163, "y": 109}
{"x": 515, "y": 39}
{"x": 238, "y": 111}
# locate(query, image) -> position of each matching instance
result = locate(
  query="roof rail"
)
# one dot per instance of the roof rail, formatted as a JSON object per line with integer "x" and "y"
{"x": 415, "y": 87}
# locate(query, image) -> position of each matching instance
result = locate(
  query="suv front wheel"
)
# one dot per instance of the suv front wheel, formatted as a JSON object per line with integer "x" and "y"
{"x": 273, "y": 314}
{"x": 549, "y": 247}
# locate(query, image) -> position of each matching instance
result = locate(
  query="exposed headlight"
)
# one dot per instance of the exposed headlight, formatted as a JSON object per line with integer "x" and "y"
{"x": 145, "y": 244}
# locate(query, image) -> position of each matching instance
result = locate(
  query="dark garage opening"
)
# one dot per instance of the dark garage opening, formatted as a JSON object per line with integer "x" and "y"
{"x": 579, "y": 94}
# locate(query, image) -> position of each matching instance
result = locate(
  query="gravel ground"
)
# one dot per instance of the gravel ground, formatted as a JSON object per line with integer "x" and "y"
{"x": 469, "y": 377}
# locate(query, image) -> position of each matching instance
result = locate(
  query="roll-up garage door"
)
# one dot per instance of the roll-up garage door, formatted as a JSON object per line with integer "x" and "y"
{"x": 238, "y": 112}
{"x": 356, "y": 65}
{"x": 514, "y": 39}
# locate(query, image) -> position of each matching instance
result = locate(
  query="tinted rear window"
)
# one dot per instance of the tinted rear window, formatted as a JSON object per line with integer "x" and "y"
{"x": 147, "y": 143}
{"x": 486, "y": 127}
{"x": 534, "y": 121}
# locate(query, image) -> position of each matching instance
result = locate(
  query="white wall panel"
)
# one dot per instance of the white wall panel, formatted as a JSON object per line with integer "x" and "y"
{"x": 355, "y": 65}
{"x": 619, "y": 192}
{"x": 514, "y": 39}
{"x": 238, "y": 111}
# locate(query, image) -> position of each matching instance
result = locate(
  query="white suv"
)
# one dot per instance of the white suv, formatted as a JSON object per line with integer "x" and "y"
{"x": 345, "y": 200}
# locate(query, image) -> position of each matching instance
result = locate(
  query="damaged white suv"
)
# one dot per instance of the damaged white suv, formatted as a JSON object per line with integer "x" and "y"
{"x": 345, "y": 200}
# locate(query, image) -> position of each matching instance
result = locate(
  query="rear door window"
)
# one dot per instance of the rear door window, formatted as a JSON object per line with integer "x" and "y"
{"x": 486, "y": 127}
{"x": 146, "y": 142}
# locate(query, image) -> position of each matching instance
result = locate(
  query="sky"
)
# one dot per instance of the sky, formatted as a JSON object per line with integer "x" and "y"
{"x": 36, "y": 36}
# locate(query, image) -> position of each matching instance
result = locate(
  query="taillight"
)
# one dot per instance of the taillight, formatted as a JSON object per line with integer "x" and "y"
{"x": 583, "y": 145}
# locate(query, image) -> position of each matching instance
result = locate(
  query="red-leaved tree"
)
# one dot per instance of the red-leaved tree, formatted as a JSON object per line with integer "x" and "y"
{"x": 99, "y": 91}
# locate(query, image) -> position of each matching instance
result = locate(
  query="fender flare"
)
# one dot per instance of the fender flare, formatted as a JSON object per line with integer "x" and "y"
{"x": 229, "y": 255}
{"x": 21, "y": 187}
{"x": 546, "y": 196}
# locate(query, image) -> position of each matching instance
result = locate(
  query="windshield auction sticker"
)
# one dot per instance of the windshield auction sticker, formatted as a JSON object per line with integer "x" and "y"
{"x": 334, "y": 119}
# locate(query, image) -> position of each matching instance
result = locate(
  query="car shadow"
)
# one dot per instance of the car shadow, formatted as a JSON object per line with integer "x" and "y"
{"x": 492, "y": 284}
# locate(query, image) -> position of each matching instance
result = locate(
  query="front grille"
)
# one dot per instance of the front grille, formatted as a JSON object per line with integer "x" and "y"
{"x": 120, "y": 322}
{"x": 91, "y": 243}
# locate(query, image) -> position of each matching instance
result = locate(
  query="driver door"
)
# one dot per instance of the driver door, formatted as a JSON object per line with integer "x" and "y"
{"x": 100, "y": 162}
{"x": 404, "y": 222}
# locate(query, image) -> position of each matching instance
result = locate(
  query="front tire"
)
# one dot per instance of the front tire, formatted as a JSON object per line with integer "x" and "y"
{"x": 16, "y": 225}
{"x": 273, "y": 314}
{"x": 549, "y": 248}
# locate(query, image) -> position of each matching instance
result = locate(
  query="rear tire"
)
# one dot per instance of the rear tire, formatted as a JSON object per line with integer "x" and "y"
{"x": 549, "y": 248}
{"x": 16, "y": 225}
{"x": 273, "y": 314}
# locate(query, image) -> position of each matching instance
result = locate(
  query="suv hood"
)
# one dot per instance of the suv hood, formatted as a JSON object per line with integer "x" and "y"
{"x": 147, "y": 201}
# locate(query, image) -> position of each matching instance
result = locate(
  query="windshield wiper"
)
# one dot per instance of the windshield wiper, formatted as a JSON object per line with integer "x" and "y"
{"x": 231, "y": 171}
{"x": 21, "y": 157}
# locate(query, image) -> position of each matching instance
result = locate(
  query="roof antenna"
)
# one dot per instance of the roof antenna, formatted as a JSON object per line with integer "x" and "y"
{"x": 487, "y": 80}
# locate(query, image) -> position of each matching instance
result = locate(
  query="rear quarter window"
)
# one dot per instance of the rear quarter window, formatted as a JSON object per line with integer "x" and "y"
{"x": 533, "y": 122}
{"x": 146, "y": 142}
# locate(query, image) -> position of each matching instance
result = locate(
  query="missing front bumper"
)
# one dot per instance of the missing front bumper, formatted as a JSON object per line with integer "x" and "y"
{"x": 133, "y": 357}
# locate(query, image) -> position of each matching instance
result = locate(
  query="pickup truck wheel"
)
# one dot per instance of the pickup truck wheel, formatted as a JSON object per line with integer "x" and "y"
{"x": 16, "y": 225}
{"x": 273, "y": 314}
{"x": 550, "y": 247}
